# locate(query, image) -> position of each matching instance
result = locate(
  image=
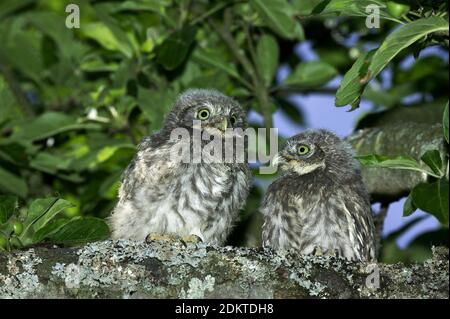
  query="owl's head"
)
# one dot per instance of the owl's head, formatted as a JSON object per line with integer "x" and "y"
{"x": 213, "y": 110}
{"x": 317, "y": 150}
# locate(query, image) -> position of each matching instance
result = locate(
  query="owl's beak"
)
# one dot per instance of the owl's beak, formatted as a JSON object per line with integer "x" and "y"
{"x": 222, "y": 125}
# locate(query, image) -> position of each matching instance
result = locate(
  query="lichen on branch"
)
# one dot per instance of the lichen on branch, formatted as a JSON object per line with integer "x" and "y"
{"x": 127, "y": 269}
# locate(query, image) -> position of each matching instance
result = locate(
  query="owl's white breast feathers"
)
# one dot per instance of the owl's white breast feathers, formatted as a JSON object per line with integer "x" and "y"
{"x": 181, "y": 199}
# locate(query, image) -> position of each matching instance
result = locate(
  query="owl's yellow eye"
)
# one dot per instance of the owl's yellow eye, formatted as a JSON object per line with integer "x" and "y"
{"x": 203, "y": 114}
{"x": 302, "y": 150}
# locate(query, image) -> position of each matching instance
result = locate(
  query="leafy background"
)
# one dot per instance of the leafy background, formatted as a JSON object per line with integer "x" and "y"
{"x": 75, "y": 102}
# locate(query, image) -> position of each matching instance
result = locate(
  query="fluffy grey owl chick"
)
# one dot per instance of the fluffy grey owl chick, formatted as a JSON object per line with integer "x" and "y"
{"x": 320, "y": 202}
{"x": 164, "y": 196}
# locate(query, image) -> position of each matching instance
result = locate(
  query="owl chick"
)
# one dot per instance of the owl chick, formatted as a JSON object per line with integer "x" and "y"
{"x": 320, "y": 203}
{"x": 160, "y": 194}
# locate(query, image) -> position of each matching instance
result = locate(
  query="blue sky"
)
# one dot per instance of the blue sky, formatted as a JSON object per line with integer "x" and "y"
{"x": 319, "y": 112}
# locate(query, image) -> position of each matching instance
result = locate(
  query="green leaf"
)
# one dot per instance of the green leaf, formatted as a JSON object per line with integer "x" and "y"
{"x": 105, "y": 153}
{"x": 353, "y": 83}
{"x": 23, "y": 50}
{"x": 49, "y": 229}
{"x": 36, "y": 210}
{"x": 311, "y": 74}
{"x": 214, "y": 79}
{"x": 38, "y": 207}
{"x": 13, "y": 152}
{"x": 59, "y": 166}
{"x": 124, "y": 39}
{"x": 445, "y": 123}
{"x": 147, "y": 5}
{"x": 48, "y": 124}
{"x": 110, "y": 186}
{"x": 9, "y": 6}
{"x": 9, "y": 107}
{"x": 50, "y": 163}
{"x": 97, "y": 65}
{"x": 433, "y": 198}
{"x": 101, "y": 154}
{"x": 402, "y": 38}
{"x": 304, "y": 8}
{"x": 173, "y": 51}
{"x": 12, "y": 183}
{"x": 352, "y": 8}
{"x": 433, "y": 159}
{"x": 397, "y": 9}
{"x": 360, "y": 74}
{"x": 408, "y": 207}
{"x": 393, "y": 162}
{"x": 214, "y": 59}
{"x": 80, "y": 230}
{"x": 267, "y": 54}
{"x": 278, "y": 15}
{"x": 147, "y": 99}
{"x": 8, "y": 205}
{"x": 51, "y": 212}
{"x": 40, "y": 212}
{"x": 53, "y": 25}
{"x": 106, "y": 37}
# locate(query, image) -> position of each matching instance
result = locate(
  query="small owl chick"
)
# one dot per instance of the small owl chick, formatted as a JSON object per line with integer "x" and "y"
{"x": 320, "y": 202}
{"x": 162, "y": 195}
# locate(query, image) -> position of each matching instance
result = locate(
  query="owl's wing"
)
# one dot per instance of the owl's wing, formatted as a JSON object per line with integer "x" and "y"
{"x": 149, "y": 165}
{"x": 271, "y": 210}
{"x": 243, "y": 184}
{"x": 278, "y": 213}
{"x": 354, "y": 204}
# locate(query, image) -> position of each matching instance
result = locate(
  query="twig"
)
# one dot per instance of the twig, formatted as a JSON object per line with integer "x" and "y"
{"x": 258, "y": 84}
{"x": 234, "y": 48}
{"x": 292, "y": 89}
{"x": 441, "y": 33}
{"x": 212, "y": 11}
{"x": 251, "y": 48}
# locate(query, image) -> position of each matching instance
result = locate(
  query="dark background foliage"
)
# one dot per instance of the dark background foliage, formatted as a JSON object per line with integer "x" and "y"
{"x": 75, "y": 102}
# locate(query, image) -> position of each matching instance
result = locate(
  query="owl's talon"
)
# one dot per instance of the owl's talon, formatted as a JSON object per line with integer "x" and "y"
{"x": 192, "y": 239}
{"x": 334, "y": 253}
{"x": 317, "y": 251}
{"x": 160, "y": 237}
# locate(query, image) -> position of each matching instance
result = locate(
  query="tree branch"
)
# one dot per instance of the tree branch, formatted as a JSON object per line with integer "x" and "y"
{"x": 399, "y": 139}
{"x": 126, "y": 269}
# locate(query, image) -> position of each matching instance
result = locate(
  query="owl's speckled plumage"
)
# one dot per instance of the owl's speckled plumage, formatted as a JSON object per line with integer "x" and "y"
{"x": 164, "y": 196}
{"x": 320, "y": 202}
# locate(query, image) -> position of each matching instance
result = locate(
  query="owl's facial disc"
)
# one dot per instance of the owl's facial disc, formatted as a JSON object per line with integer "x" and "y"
{"x": 301, "y": 158}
